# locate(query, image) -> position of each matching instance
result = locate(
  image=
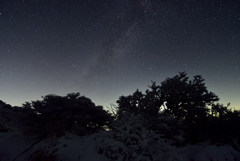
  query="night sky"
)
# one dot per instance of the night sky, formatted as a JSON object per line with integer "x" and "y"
{"x": 108, "y": 48}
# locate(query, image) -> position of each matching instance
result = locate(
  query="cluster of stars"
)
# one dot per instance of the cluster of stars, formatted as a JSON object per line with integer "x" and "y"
{"x": 104, "y": 49}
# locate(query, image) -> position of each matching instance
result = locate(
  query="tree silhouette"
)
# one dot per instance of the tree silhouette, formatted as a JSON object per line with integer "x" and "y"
{"x": 72, "y": 113}
{"x": 184, "y": 98}
{"x": 187, "y": 99}
{"x": 224, "y": 124}
{"x": 190, "y": 103}
{"x": 5, "y": 116}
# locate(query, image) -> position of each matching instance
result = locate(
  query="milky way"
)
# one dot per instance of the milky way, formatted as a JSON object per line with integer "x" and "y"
{"x": 104, "y": 48}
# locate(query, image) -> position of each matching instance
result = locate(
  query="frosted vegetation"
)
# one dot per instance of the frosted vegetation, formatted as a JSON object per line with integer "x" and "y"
{"x": 176, "y": 120}
{"x": 130, "y": 139}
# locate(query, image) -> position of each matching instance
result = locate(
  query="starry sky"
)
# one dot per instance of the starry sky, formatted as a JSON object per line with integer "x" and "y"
{"x": 108, "y": 48}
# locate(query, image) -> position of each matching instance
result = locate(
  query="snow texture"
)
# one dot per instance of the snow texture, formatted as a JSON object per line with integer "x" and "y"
{"x": 72, "y": 148}
{"x": 209, "y": 153}
{"x": 130, "y": 140}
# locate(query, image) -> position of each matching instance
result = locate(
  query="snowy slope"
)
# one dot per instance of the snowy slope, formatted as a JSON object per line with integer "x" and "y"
{"x": 72, "y": 148}
{"x": 209, "y": 153}
{"x": 68, "y": 147}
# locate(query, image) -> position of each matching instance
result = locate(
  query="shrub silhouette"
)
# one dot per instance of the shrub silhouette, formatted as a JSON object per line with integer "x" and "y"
{"x": 56, "y": 115}
{"x": 189, "y": 102}
{"x": 175, "y": 108}
{"x": 185, "y": 99}
{"x": 5, "y": 116}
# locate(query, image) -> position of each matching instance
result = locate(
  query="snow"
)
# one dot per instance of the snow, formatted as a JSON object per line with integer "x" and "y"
{"x": 72, "y": 148}
{"x": 209, "y": 153}
{"x": 69, "y": 147}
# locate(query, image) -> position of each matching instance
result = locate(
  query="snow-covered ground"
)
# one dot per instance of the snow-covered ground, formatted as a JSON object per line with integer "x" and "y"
{"x": 69, "y": 147}
{"x": 209, "y": 153}
{"x": 72, "y": 148}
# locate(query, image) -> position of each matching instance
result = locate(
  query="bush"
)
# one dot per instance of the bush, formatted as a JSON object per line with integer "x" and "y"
{"x": 222, "y": 125}
{"x": 185, "y": 99}
{"x": 131, "y": 140}
{"x": 167, "y": 127}
{"x": 56, "y": 115}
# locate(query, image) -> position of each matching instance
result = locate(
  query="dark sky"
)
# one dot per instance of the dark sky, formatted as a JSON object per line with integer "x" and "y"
{"x": 108, "y": 48}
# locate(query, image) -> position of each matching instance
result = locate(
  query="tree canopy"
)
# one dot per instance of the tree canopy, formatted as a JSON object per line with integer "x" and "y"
{"x": 67, "y": 113}
{"x": 177, "y": 107}
{"x": 191, "y": 104}
{"x": 184, "y": 98}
